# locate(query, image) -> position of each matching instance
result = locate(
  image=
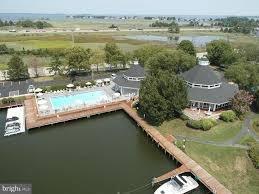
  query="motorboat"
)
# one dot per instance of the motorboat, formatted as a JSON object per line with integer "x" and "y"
{"x": 177, "y": 185}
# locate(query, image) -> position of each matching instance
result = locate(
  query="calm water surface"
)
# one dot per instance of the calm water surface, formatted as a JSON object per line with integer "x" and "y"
{"x": 105, "y": 154}
{"x": 198, "y": 41}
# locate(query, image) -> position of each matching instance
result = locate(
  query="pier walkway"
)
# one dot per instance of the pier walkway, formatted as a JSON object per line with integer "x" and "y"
{"x": 33, "y": 120}
{"x": 180, "y": 170}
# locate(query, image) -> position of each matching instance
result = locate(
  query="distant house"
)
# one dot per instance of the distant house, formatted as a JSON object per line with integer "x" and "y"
{"x": 128, "y": 83}
{"x": 206, "y": 89}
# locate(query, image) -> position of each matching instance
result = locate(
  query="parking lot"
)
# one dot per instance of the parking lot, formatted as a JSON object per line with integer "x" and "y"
{"x": 15, "y": 88}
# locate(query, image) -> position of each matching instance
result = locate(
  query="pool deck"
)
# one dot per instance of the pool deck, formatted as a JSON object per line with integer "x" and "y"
{"x": 33, "y": 120}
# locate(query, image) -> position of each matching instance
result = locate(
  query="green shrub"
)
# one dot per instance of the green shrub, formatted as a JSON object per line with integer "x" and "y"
{"x": 194, "y": 124}
{"x": 80, "y": 83}
{"x": 184, "y": 117}
{"x": 8, "y": 100}
{"x": 228, "y": 116}
{"x": 180, "y": 144}
{"x": 57, "y": 87}
{"x": 204, "y": 124}
{"x": 207, "y": 124}
{"x": 253, "y": 153}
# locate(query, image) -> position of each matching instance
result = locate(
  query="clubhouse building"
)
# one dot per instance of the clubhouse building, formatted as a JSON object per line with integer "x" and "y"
{"x": 206, "y": 89}
{"x": 128, "y": 83}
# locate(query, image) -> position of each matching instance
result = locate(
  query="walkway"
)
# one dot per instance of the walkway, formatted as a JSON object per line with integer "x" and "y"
{"x": 207, "y": 142}
{"x": 245, "y": 130}
{"x": 180, "y": 170}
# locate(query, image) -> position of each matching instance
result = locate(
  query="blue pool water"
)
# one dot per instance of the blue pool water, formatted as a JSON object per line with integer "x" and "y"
{"x": 89, "y": 98}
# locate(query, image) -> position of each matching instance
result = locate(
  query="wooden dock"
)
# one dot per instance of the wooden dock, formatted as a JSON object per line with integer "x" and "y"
{"x": 33, "y": 120}
{"x": 209, "y": 181}
{"x": 168, "y": 175}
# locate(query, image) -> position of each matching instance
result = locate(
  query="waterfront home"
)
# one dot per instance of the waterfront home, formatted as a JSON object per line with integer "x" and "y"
{"x": 128, "y": 83}
{"x": 206, "y": 88}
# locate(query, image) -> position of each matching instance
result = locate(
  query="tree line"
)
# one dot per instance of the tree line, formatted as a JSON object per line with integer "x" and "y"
{"x": 173, "y": 27}
{"x": 26, "y": 24}
{"x": 70, "y": 61}
{"x": 237, "y": 24}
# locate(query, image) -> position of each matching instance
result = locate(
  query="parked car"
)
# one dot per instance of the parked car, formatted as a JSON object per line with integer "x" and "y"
{"x": 31, "y": 89}
{"x": 113, "y": 75}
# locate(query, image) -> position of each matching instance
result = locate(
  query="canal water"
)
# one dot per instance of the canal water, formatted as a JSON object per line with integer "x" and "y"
{"x": 198, "y": 41}
{"x": 106, "y": 154}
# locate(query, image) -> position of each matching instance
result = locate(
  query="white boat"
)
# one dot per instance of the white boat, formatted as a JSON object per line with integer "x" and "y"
{"x": 177, "y": 185}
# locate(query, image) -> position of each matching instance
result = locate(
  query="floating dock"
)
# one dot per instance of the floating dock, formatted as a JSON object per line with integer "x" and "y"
{"x": 18, "y": 114}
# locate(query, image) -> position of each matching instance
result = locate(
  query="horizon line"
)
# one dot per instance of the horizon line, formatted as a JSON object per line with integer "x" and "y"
{"x": 114, "y": 14}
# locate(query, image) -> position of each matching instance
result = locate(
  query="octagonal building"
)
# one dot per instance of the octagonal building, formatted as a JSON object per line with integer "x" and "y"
{"x": 206, "y": 89}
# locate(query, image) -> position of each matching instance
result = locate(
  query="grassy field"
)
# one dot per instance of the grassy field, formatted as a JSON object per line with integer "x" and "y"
{"x": 222, "y": 132}
{"x": 231, "y": 166}
{"x": 101, "y": 23}
{"x": 43, "y": 61}
{"x": 255, "y": 125}
{"x": 52, "y": 40}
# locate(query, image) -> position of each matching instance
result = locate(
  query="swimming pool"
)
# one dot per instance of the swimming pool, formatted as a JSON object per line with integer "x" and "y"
{"x": 71, "y": 100}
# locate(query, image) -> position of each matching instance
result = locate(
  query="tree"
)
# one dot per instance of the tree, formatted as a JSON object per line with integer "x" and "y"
{"x": 56, "y": 65}
{"x": 16, "y": 68}
{"x": 162, "y": 96}
{"x": 174, "y": 28}
{"x": 241, "y": 102}
{"x": 112, "y": 54}
{"x": 187, "y": 46}
{"x": 124, "y": 58}
{"x": 144, "y": 53}
{"x": 97, "y": 58}
{"x": 3, "y": 49}
{"x": 220, "y": 52}
{"x": 257, "y": 100}
{"x": 78, "y": 59}
{"x": 249, "y": 51}
{"x": 172, "y": 61}
{"x": 245, "y": 75}
{"x": 34, "y": 64}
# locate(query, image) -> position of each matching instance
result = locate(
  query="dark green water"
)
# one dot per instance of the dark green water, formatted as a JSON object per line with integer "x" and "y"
{"x": 105, "y": 154}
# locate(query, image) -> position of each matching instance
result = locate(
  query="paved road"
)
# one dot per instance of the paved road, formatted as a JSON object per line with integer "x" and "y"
{"x": 66, "y": 30}
{"x": 10, "y": 88}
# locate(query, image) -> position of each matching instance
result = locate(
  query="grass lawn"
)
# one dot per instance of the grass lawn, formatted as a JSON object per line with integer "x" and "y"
{"x": 222, "y": 132}
{"x": 3, "y": 66}
{"x": 42, "y": 79}
{"x": 246, "y": 140}
{"x": 231, "y": 166}
{"x": 254, "y": 125}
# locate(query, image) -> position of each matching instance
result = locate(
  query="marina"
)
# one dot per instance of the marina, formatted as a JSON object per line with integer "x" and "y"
{"x": 37, "y": 121}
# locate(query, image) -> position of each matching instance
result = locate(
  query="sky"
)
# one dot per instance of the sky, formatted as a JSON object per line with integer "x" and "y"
{"x": 133, "y": 7}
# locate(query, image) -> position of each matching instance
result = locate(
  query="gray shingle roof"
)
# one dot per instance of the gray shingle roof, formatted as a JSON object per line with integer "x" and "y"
{"x": 135, "y": 71}
{"x": 217, "y": 95}
{"x": 202, "y": 74}
{"x": 121, "y": 81}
